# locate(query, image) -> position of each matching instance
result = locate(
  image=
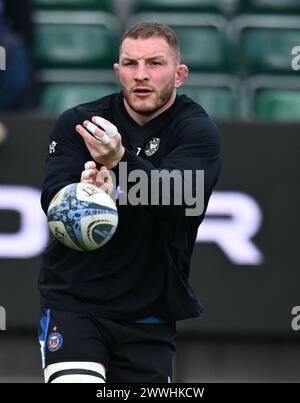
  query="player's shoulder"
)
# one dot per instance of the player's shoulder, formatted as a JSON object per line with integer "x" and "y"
{"x": 191, "y": 107}
{"x": 194, "y": 119}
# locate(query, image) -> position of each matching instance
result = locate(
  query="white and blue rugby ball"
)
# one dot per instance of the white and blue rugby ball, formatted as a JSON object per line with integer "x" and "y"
{"x": 82, "y": 216}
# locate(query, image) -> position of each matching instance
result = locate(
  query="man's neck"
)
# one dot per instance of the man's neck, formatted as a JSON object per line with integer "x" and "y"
{"x": 142, "y": 119}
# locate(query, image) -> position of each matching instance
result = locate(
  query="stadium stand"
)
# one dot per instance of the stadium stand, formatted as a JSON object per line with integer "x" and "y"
{"x": 263, "y": 47}
{"x": 221, "y": 6}
{"x": 270, "y": 6}
{"x": 76, "y": 47}
{"x": 264, "y": 43}
{"x": 266, "y": 97}
{"x": 76, "y": 39}
{"x": 59, "y": 97}
{"x": 100, "y": 5}
{"x": 217, "y": 93}
{"x": 227, "y": 44}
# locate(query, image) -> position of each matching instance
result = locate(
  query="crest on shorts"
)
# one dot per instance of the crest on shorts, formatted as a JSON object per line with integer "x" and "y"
{"x": 152, "y": 146}
{"x": 55, "y": 341}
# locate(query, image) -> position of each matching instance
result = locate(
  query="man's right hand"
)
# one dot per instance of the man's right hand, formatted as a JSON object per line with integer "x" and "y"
{"x": 100, "y": 178}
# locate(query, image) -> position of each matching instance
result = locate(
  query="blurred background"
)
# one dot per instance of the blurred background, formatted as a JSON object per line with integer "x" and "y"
{"x": 244, "y": 60}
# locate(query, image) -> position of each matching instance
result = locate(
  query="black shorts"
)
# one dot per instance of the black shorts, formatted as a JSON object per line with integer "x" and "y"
{"x": 130, "y": 351}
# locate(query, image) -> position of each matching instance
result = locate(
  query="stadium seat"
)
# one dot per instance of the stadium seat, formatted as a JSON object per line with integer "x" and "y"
{"x": 217, "y": 94}
{"x": 274, "y": 98}
{"x": 202, "y": 48}
{"x": 56, "y": 98}
{"x": 264, "y": 43}
{"x": 181, "y": 5}
{"x": 281, "y": 6}
{"x": 101, "y": 5}
{"x": 278, "y": 104}
{"x": 202, "y": 38}
{"x": 76, "y": 39}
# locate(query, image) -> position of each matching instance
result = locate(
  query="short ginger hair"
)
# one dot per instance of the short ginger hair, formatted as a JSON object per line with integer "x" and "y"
{"x": 153, "y": 29}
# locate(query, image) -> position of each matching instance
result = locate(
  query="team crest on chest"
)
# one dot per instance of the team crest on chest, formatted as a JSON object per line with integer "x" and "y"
{"x": 152, "y": 146}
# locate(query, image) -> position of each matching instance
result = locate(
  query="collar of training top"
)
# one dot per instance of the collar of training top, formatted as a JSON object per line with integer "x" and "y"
{"x": 154, "y": 126}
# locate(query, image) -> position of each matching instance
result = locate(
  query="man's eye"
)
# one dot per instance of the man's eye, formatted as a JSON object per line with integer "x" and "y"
{"x": 128, "y": 64}
{"x": 155, "y": 63}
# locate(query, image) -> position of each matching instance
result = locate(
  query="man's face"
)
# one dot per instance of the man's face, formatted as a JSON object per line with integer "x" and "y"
{"x": 147, "y": 72}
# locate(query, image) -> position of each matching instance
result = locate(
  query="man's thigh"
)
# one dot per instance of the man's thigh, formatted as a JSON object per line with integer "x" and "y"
{"x": 72, "y": 348}
{"x": 146, "y": 356}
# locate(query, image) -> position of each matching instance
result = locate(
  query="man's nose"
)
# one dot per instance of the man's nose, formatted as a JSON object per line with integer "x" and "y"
{"x": 141, "y": 72}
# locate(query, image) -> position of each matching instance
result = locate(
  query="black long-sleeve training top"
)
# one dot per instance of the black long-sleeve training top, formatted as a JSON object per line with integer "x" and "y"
{"x": 143, "y": 270}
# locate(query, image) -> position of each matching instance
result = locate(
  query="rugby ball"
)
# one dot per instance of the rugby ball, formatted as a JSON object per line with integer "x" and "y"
{"x": 82, "y": 216}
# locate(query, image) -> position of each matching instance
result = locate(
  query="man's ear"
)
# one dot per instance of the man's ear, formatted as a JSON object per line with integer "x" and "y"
{"x": 182, "y": 72}
{"x": 116, "y": 69}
